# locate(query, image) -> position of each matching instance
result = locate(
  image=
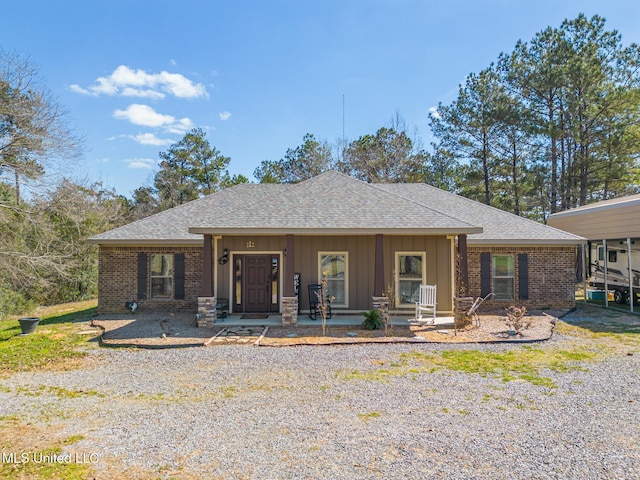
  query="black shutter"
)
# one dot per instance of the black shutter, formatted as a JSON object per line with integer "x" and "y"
{"x": 523, "y": 275}
{"x": 485, "y": 274}
{"x": 142, "y": 276}
{"x": 178, "y": 266}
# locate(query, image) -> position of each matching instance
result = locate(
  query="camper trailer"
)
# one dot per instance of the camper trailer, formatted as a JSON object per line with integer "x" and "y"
{"x": 615, "y": 264}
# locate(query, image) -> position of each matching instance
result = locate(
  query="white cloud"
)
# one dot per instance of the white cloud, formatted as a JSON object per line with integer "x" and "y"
{"x": 78, "y": 89}
{"x": 224, "y": 116}
{"x": 137, "y": 92}
{"x": 144, "y": 115}
{"x": 433, "y": 111}
{"x": 141, "y": 163}
{"x": 150, "y": 139}
{"x": 138, "y": 83}
{"x": 181, "y": 126}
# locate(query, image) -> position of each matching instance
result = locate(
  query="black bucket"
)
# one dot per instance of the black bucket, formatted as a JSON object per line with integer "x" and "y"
{"x": 29, "y": 325}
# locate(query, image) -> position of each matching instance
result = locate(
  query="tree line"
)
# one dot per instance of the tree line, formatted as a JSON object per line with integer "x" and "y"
{"x": 551, "y": 125}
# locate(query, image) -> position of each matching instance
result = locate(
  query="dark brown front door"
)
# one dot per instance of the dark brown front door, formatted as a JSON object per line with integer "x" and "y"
{"x": 257, "y": 283}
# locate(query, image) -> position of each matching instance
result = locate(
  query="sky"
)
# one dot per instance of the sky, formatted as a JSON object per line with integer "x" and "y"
{"x": 256, "y": 76}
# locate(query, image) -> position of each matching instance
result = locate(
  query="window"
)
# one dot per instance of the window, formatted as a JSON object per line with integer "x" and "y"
{"x": 161, "y": 276}
{"x": 411, "y": 272}
{"x": 335, "y": 267}
{"x": 274, "y": 280}
{"x": 238, "y": 279}
{"x": 503, "y": 274}
{"x": 611, "y": 254}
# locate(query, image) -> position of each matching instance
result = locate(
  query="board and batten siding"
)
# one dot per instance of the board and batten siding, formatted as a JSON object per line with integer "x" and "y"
{"x": 361, "y": 262}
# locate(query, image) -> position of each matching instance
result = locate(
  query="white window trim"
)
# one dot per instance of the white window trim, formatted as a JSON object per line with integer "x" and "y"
{"x": 346, "y": 275}
{"x": 397, "y": 274}
{"x": 512, "y": 277}
{"x": 172, "y": 276}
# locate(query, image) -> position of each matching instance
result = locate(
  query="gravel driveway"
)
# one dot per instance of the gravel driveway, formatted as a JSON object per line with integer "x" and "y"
{"x": 238, "y": 411}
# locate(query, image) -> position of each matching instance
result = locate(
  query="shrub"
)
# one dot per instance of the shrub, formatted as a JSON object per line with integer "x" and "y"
{"x": 516, "y": 319}
{"x": 372, "y": 320}
{"x": 13, "y": 303}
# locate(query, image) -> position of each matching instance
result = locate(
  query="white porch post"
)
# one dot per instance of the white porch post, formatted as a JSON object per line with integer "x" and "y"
{"x": 606, "y": 273}
{"x": 632, "y": 294}
{"x": 584, "y": 272}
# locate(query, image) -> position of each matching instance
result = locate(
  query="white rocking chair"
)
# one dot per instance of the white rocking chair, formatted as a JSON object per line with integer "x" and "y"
{"x": 427, "y": 304}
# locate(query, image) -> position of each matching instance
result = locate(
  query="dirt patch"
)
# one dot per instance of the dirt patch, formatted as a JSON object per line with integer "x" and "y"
{"x": 600, "y": 319}
{"x": 491, "y": 329}
{"x": 153, "y": 331}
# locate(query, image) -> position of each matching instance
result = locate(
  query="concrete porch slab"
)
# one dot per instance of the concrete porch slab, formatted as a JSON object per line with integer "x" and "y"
{"x": 338, "y": 320}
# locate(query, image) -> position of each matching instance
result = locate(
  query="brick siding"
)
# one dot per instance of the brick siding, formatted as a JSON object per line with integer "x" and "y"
{"x": 118, "y": 279}
{"x": 552, "y": 276}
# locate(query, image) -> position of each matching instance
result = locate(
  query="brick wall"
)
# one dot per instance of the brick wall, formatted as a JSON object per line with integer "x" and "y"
{"x": 118, "y": 279}
{"x": 552, "y": 276}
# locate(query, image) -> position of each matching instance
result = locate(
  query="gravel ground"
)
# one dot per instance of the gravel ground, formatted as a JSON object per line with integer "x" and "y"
{"x": 237, "y": 411}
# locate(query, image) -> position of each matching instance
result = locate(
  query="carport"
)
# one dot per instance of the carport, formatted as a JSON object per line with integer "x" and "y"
{"x": 610, "y": 262}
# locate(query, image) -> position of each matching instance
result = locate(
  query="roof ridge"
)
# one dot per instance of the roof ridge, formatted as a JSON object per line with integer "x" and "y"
{"x": 290, "y": 186}
{"x": 174, "y": 209}
{"x": 149, "y": 217}
{"x": 496, "y": 209}
{"x": 376, "y": 185}
{"x": 349, "y": 178}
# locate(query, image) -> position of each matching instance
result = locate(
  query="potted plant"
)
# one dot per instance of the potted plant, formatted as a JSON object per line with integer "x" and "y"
{"x": 28, "y": 324}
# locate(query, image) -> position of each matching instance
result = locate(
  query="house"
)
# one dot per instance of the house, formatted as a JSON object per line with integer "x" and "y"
{"x": 258, "y": 247}
{"x": 611, "y": 226}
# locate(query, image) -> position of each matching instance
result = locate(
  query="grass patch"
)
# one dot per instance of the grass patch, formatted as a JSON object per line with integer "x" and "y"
{"x": 368, "y": 416}
{"x": 55, "y": 344}
{"x": 525, "y": 363}
{"x": 57, "y": 391}
{"x": 42, "y": 464}
{"x": 28, "y": 452}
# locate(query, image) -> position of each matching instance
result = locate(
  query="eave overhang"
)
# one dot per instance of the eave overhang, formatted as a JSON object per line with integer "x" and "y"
{"x": 333, "y": 231}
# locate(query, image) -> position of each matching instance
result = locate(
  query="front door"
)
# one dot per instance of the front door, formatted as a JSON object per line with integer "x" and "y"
{"x": 257, "y": 284}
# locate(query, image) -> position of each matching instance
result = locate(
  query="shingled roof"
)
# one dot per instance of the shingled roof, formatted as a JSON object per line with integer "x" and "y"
{"x": 172, "y": 226}
{"x": 498, "y": 226}
{"x": 333, "y": 203}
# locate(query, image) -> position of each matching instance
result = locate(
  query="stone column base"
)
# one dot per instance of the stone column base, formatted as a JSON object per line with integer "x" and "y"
{"x": 382, "y": 305}
{"x": 206, "y": 315}
{"x": 461, "y": 306}
{"x": 289, "y": 310}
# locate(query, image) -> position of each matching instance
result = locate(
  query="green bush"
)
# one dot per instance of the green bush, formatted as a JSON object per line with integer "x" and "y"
{"x": 372, "y": 320}
{"x": 13, "y": 303}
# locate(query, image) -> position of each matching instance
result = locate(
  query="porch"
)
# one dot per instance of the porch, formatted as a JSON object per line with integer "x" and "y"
{"x": 179, "y": 330}
{"x": 275, "y": 319}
